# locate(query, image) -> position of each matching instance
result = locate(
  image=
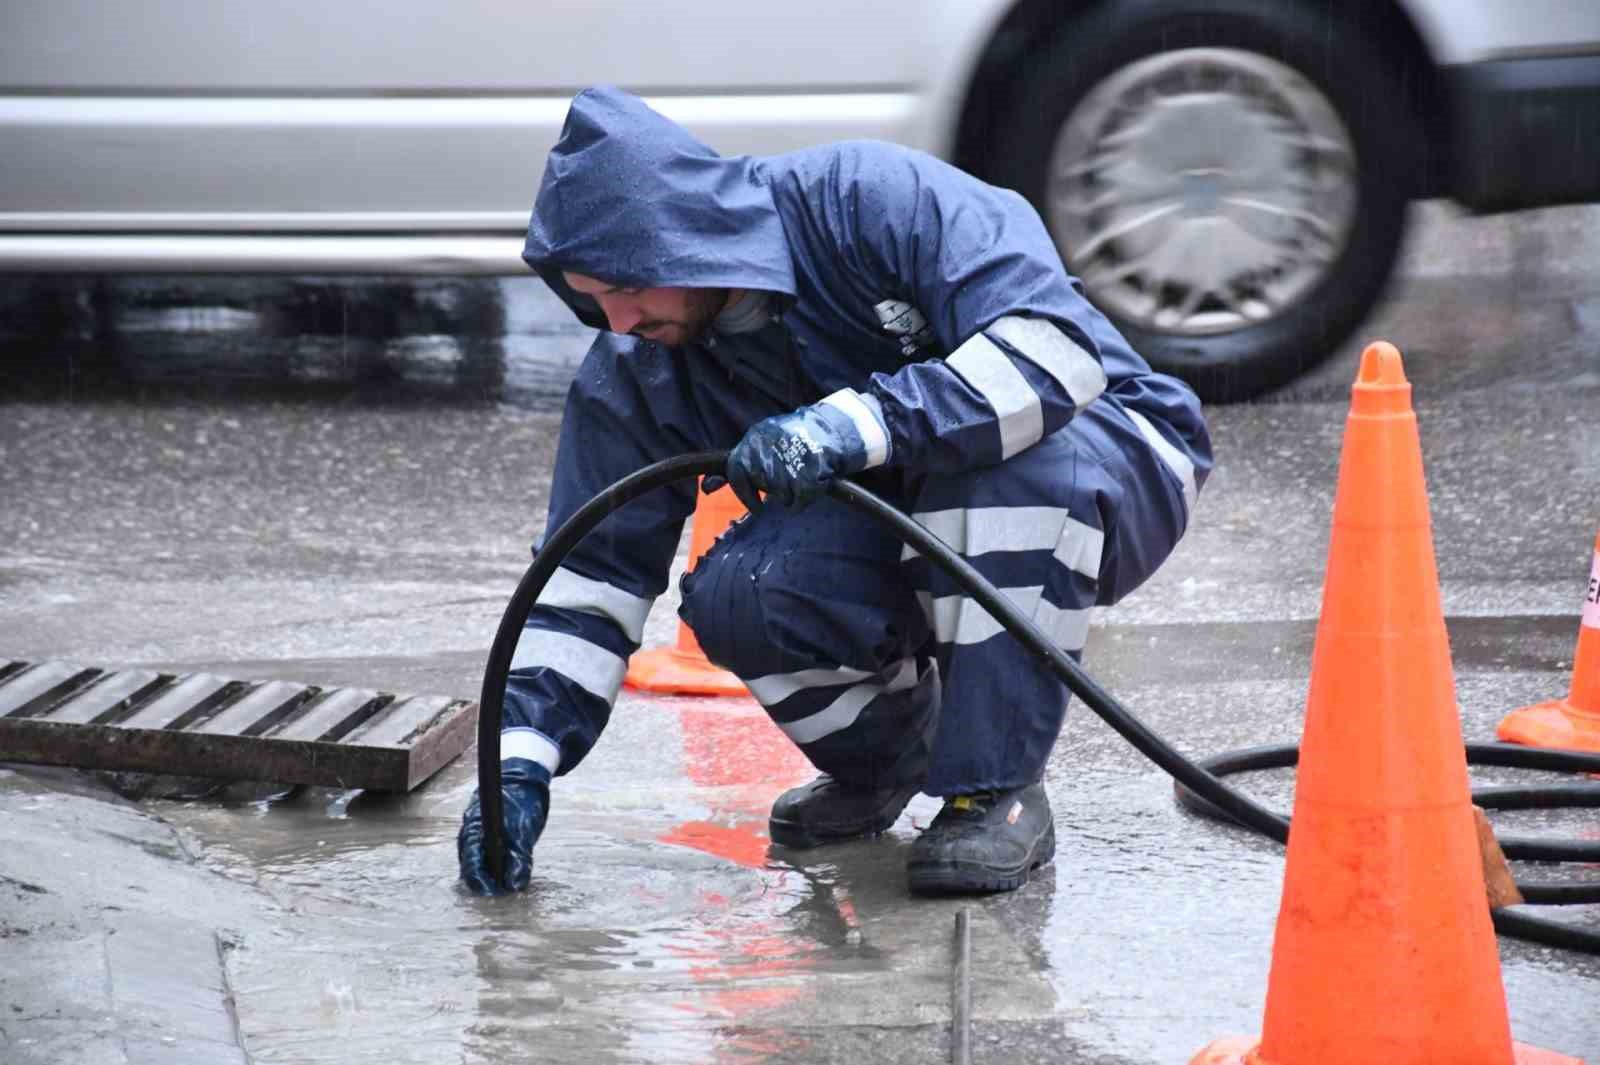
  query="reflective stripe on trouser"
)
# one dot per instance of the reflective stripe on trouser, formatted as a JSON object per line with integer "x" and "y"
{"x": 809, "y": 609}
{"x": 831, "y": 622}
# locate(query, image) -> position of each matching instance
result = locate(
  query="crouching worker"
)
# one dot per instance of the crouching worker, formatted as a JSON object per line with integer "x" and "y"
{"x": 858, "y": 310}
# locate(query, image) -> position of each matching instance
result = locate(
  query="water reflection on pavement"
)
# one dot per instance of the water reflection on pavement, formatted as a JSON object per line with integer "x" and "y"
{"x": 659, "y": 926}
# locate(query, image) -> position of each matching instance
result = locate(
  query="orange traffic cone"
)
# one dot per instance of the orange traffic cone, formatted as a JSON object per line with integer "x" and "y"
{"x": 1384, "y": 951}
{"x": 1573, "y": 722}
{"x": 683, "y": 668}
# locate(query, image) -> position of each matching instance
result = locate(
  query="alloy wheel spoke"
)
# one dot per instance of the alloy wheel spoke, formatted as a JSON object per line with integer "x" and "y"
{"x": 1298, "y": 214}
{"x": 1122, "y": 229}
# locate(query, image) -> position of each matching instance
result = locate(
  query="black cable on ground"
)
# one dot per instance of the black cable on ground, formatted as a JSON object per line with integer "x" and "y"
{"x": 1523, "y": 848}
{"x": 1193, "y": 780}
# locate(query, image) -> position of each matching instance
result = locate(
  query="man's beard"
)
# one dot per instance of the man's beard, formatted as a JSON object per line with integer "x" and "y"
{"x": 703, "y": 306}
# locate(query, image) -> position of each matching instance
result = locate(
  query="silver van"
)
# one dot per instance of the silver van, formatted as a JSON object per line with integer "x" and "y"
{"x": 1228, "y": 177}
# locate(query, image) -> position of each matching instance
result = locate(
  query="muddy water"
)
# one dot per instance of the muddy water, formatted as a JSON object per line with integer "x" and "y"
{"x": 654, "y": 918}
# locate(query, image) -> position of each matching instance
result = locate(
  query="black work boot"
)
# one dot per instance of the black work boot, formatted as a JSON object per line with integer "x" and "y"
{"x": 984, "y": 842}
{"x": 827, "y": 811}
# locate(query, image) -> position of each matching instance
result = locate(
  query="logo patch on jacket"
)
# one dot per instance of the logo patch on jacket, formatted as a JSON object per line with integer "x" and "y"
{"x": 905, "y": 323}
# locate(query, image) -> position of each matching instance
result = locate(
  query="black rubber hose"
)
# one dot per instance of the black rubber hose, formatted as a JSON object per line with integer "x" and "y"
{"x": 1239, "y": 806}
{"x": 546, "y": 560}
{"x": 1230, "y": 803}
{"x": 1523, "y": 848}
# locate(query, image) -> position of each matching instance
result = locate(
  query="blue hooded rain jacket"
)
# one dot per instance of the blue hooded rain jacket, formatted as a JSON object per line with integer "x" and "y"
{"x": 1000, "y": 408}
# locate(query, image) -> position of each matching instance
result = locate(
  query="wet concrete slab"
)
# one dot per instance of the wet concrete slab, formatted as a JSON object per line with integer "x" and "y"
{"x": 113, "y": 933}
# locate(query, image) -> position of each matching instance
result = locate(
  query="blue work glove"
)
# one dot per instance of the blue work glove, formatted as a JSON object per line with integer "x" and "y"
{"x": 793, "y": 457}
{"x": 525, "y": 796}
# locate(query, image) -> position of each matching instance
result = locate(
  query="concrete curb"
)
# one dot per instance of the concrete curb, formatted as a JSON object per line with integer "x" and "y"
{"x": 99, "y": 968}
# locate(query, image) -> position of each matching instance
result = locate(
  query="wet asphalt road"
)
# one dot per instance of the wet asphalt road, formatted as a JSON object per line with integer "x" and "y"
{"x": 367, "y": 531}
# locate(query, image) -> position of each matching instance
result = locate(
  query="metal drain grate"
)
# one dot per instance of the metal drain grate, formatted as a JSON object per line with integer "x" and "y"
{"x": 199, "y": 724}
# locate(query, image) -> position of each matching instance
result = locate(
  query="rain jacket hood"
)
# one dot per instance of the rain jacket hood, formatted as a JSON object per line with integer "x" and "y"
{"x": 630, "y": 198}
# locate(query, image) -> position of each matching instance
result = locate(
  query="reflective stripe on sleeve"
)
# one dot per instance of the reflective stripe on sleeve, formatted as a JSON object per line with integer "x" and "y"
{"x": 1067, "y": 627}
{"x": 982, "y": 364}
{"x": 1081, "y": 548}
{"x": 590, "y": 666}
{"x": 843, "y": 711}
{"x": 1176, "y": 460}
{"x": 1042, "y": 342}
{"x": 535, "y": 746}
{"x": 573, "y": 591}
{"x": 873, "y": 433}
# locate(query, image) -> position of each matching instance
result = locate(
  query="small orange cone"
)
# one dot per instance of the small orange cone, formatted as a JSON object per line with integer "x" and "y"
{"x": 1384, "y": 952}
{"x": 1573, "y": 722}
{"x": 683, "y": 668}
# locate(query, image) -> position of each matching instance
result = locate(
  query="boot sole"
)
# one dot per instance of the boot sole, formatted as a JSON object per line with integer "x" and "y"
{"x": 973, "y": 878}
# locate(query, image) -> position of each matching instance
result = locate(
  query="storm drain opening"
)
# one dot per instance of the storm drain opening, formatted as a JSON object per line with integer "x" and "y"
{"x": 201, "y": 724}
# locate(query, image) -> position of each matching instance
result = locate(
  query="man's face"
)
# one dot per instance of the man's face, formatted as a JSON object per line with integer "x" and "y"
{"x": 670, "y": 316}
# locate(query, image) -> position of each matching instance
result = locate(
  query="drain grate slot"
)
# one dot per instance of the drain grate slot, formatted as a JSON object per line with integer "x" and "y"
{"x": 32, "y": 690}
{"x": 259, "y": 710}
{"x": 334, "y": 714}
{"x": 113, "y": 695}
{"x": 182, "y": 699}
{"x": 404, "y": 720}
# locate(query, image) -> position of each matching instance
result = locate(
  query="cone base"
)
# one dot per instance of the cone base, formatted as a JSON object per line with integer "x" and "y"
{"x": 671, "y": 671}
{"x": 1554, "y": 724}
{"x": 1243, "y": 1050}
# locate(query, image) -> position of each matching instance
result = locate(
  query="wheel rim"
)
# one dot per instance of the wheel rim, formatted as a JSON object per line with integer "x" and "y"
{"x": 1202, "y": 190}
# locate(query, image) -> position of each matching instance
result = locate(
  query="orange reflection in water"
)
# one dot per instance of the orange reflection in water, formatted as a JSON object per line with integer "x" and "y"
{"x": 752, "y": 964}
{"x": 743, "y": 843}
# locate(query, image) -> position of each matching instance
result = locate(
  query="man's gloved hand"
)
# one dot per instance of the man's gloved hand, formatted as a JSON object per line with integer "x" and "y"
{"x": 525, "y": 796}
{"x": 793, "y": 456}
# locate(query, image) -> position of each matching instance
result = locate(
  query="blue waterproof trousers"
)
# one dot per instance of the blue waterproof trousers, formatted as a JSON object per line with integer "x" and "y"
{"x": 877, "y": 666}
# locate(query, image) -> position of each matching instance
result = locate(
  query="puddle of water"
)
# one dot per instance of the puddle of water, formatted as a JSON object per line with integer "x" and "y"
{"x": 656, "y": 921}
